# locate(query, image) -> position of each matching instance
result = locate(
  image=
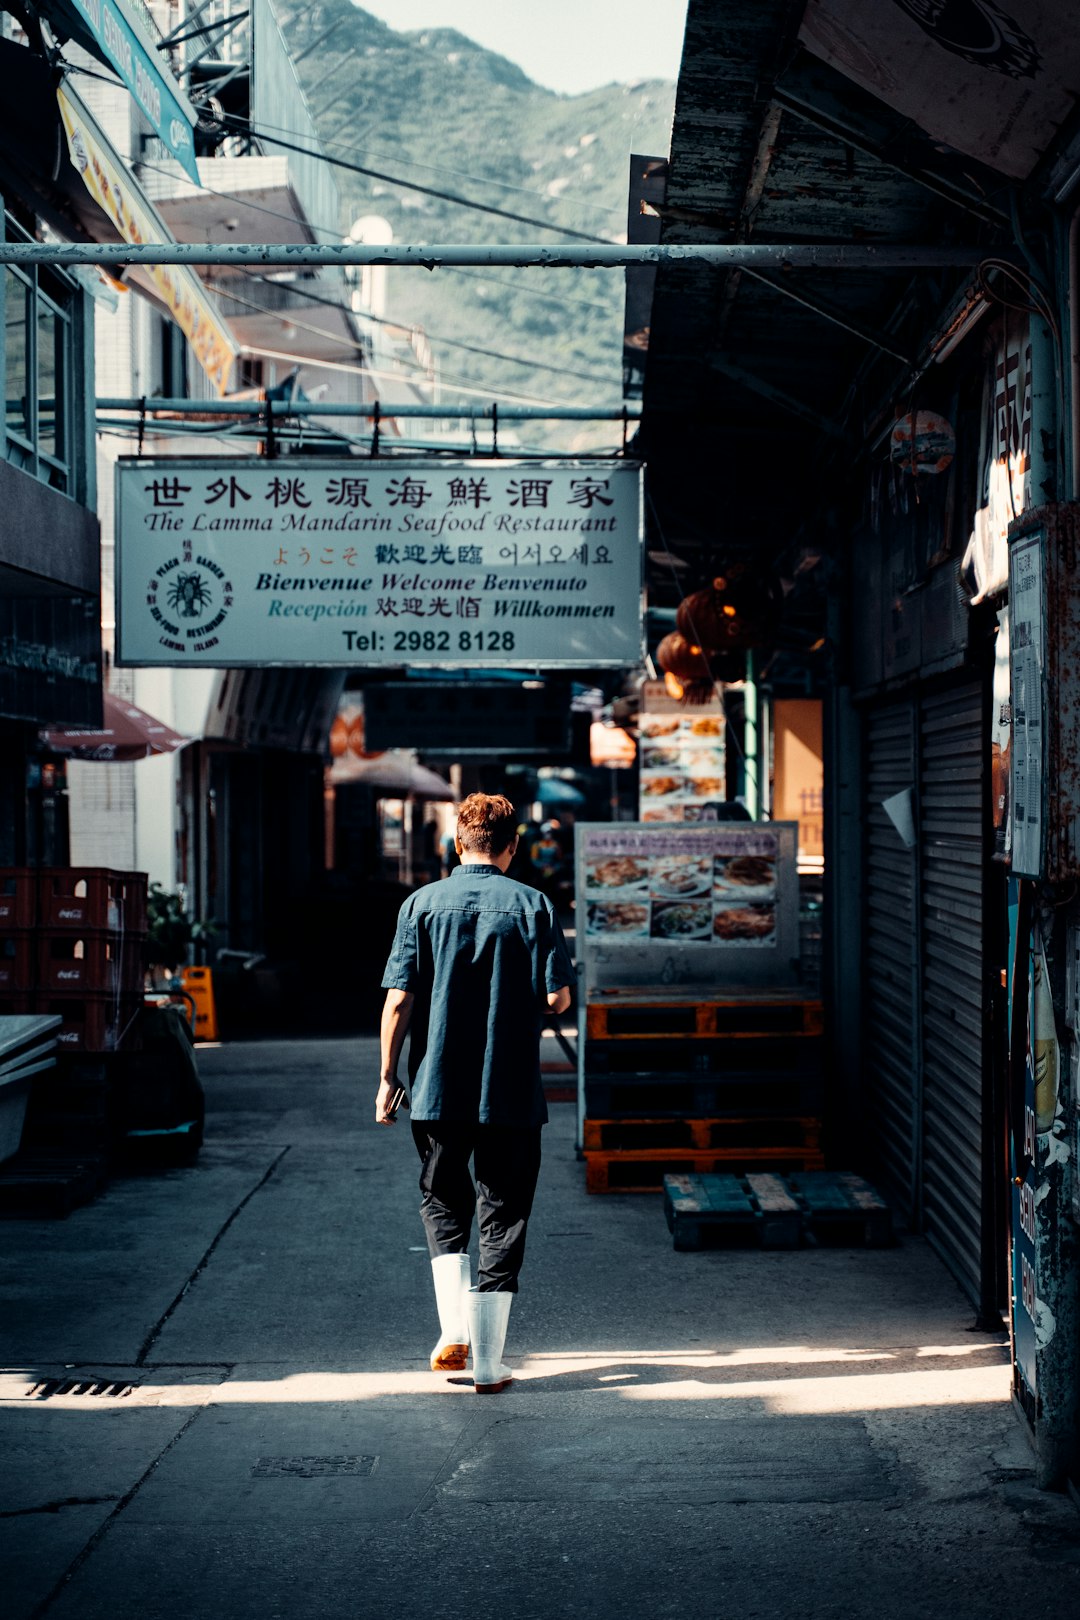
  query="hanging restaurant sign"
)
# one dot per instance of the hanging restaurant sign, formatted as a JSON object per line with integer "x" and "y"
{"x": 116, "y": 192}
{"x": 223, "y": 562}
{"x": 117, "y": 36}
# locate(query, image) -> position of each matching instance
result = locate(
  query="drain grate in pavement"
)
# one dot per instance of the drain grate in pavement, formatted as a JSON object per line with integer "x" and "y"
{"x": 48, "y": 1387}
{"x": 312, "y": 1467}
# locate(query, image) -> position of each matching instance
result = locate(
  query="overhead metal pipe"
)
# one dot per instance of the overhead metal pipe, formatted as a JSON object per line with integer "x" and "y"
{"x": 383, "y": 410}
{"x": 775, "y": 255}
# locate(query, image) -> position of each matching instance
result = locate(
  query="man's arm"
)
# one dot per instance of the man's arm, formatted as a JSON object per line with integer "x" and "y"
{"x": 559, "y": 1000}
{"x": 396, "y": 1013}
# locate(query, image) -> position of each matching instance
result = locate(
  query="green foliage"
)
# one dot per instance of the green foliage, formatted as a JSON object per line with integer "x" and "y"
{"x": 172, "y": 931}
{"x": 435, "y": 108}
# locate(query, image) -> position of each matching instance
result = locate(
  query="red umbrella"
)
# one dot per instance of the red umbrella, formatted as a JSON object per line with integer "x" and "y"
{"x": 128, "y": 733}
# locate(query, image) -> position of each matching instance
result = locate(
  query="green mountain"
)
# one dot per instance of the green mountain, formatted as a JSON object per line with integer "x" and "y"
{"x": 436, "y": 109}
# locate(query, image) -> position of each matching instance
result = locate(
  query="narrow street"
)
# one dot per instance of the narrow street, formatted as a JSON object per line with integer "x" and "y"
{"x": 813, "y": 1433}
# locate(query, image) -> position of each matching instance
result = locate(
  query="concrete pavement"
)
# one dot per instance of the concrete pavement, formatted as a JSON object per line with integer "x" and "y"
{"x": 255, "y": 1433}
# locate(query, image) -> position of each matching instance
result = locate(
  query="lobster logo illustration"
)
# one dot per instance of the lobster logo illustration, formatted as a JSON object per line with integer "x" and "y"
{"x": 188, "y": 596}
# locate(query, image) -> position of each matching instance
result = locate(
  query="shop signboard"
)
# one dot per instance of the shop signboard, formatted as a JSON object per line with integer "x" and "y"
{"x": 362, "y": 563}
{"x": 668, "y": 905}
{"x": 120, "y": 38}
{"x": 505, "y": 717}
{"x": 117, "y": 194}
{"x": 683, "y": 757}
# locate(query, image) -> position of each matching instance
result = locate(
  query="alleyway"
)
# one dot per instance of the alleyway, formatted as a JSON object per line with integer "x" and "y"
{"x": 786, "y": 1434}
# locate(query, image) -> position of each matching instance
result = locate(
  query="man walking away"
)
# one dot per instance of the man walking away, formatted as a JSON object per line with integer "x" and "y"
{"x": 476, "y": 962}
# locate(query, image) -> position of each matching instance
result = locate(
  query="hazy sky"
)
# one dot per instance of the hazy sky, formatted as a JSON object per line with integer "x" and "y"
{"x": 567, "y": 45}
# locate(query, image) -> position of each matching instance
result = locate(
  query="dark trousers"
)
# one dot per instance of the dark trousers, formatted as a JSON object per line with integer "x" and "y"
{"x": 506, "y": 1160}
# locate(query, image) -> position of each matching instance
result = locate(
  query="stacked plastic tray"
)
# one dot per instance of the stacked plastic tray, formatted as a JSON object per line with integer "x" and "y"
{"x": 72, "y": 944}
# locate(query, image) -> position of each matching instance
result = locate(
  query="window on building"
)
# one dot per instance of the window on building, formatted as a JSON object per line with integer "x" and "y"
{"x": 39, "y": 318}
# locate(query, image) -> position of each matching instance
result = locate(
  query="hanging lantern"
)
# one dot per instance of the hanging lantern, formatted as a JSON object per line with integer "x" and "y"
{"x": 922, "y": 442}
{"x": 688, "y": 674}
{"x": 701, "y": 617}
{"x": 737, "y": 610}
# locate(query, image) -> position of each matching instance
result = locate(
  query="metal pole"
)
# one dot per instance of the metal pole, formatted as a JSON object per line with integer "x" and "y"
{"x": 438, "y": 413}
{"x": 751, "y": 748}
{"x": 614, "y": 256}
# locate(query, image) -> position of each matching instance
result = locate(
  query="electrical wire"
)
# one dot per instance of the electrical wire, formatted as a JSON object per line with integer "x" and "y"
{"x": 244, "y": 127}
{"x": 749, "y": 765}
{"x": 382, "y": 320}
{"x": 458, "y": 174}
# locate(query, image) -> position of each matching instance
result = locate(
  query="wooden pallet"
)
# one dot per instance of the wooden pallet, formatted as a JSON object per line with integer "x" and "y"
{"x": 680, "y": 1019}
{"x": 703, "y": 1210}
{"x": 817, "y": 1206}
{"x": 35, "y": 1187}
{"x": 643, "y": 1170}
{"x": 843, "y": 1208}
{"x": 705, "y": 1054}
{"x": 659, "y": 1096}
{"x": 801, "y": 1133}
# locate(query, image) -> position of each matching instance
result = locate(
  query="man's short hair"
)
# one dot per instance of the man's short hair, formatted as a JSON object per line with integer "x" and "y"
{"x": 487, "y": 824}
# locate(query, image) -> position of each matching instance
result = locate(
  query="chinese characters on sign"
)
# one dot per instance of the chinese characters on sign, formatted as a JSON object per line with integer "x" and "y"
{"x": 226, "y": 563}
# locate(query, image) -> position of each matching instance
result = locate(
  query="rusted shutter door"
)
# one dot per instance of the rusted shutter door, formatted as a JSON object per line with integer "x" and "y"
{"x": 952, "y": 857}
{"x": 891, "y": 988}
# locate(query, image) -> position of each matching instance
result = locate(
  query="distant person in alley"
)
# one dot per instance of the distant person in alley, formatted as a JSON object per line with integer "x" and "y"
{"x": 477, "y": 961}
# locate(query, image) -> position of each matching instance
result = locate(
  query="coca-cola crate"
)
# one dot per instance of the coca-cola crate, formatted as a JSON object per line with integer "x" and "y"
{"x": 92, "y": 897}
{"x": 16, "y": 1002}
{"x": 18, "y": 964}
{"x": 91, "y": 960}
{"x": 91, "y": 1022}
{"x": 18, "y": 897}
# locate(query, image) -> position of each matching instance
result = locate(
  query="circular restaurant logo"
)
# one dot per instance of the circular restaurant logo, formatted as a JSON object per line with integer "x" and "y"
{"x": 189, "y": 599}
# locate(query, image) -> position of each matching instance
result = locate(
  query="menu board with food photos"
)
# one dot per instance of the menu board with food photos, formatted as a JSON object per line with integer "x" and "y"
{"x": 683, "y": 763}
{"x": 684, "y": 904}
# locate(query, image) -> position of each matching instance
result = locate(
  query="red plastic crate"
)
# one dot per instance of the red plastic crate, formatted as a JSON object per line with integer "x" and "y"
{"x": 14, "y": 1002}
{"x": 93, "y": 897}
{"x": 18, "y": 959}
{"x": 92, "y": 961}
{"x": 18, "y": 897}
{"x": 91, "y": 1023}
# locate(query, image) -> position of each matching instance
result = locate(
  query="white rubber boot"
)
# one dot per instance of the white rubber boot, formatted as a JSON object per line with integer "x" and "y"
{"x": 453, "y": 1275}
{"x": 488, "y": 1316}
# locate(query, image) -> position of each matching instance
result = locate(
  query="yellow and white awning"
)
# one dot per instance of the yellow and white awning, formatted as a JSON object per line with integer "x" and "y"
{"x": 117, "y": 193}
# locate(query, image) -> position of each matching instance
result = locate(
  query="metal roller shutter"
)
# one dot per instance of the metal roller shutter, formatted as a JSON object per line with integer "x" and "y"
{"x": 952, "y": 860}
{"x": 891, "y": 1000}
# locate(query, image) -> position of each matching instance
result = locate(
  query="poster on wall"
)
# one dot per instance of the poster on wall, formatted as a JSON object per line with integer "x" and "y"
{"x": 671, "y": 905}
{"x": 227, "y": 562}
{"x": 1028, "y": 734}
{"x": 682, "y": 757}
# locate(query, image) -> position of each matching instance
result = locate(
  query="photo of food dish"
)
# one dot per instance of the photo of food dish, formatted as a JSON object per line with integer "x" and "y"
{"x": 616, "y": 872}
{"x": 661, "y": 787}
{"x": 662, "y": 812}
{"x": 657, "y": 727}
{"x": 621, "y": 919}
{"x": 684, "y": 919}
{"x": 743, "y": 876}
{"x": 707, "y": 787}
{"x": 745, "y": 925}
{"x": 707, "y": 725}
{"x": 679, "y": 877}
{"x": 655, "y": 759}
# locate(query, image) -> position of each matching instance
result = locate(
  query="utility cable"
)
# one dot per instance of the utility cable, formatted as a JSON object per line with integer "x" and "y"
{"x": 401, "y": 326}
{"x": 244, "y": 127}
{"x": 458, "y": 174}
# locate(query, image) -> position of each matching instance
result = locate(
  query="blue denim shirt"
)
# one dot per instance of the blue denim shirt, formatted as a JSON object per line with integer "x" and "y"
{"x": 480, "y": 953}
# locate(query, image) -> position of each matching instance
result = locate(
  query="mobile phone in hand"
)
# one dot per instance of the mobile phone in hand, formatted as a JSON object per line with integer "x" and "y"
{"x": 399, "y": 1097}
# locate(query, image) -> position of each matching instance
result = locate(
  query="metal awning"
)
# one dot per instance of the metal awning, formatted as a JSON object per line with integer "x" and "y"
{"x": 760, "y": 383}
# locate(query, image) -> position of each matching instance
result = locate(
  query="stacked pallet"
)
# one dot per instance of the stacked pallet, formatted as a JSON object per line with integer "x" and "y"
{"x": 675, "y": 1084}
{"x": 72, "y": 942}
